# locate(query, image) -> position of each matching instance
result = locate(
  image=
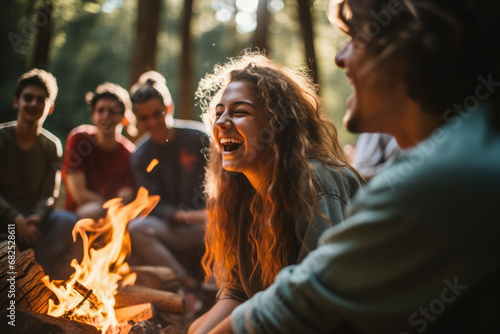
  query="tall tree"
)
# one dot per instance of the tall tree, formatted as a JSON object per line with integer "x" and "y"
{"x": 148, "y": 21}
{"x": 44, "y": 24}
{"x": 261, "y": 32}
{"x": 306, "y": 26}
{"x": 186, "y": 101}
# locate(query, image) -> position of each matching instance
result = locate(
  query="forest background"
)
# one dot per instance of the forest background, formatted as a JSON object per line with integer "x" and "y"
{"x": 84, "y": 43}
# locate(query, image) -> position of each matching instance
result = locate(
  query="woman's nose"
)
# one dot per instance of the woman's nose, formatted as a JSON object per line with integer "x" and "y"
{"x": 223, "y": 122}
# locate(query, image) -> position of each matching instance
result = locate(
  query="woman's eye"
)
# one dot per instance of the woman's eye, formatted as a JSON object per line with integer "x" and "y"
{"x": 240, "y": 112}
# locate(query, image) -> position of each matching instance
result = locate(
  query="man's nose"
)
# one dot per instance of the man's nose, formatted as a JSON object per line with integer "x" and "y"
{"x": 341, "y": 55}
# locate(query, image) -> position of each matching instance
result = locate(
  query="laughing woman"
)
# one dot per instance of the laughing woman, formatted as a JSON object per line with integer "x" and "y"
{"x": 277, "y": 177}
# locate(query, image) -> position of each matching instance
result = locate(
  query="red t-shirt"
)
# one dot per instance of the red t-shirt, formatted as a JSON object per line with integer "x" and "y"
{"x": 106, "y": 171}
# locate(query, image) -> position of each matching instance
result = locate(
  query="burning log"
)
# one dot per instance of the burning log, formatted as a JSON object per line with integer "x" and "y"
{"x": 135, "y": 313}
{"x": 156, "y": 277}
{"x": 163, "y": 300}
{"x": 88, "y": 295}
{"x": 22, "y": 278}
{"x": 32, "y": 322}
{"x": 32, "y": 296}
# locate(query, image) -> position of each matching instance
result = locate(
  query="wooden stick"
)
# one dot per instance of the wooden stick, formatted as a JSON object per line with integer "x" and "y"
{"x": 156, "y": 277}
{"x": 32, "y": 322}
{"x": 163, "y": 300}
{"x": 136, "y": 313}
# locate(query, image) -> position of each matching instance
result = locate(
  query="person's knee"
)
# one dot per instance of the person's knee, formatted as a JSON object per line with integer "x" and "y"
{"x": 143, "y": 228}
{"x": 92, "y": 210}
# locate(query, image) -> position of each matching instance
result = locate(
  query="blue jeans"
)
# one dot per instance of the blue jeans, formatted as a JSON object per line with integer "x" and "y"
{"x": 56, "y": 249}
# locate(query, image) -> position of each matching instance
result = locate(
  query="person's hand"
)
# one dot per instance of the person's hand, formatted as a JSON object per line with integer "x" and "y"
{"x": 27, "y": 232}
{"x": 198, "y": 217}
{"x": 35, "y": 219}
{"x": 224, "y": 327}
{"x": 126, "y": 194}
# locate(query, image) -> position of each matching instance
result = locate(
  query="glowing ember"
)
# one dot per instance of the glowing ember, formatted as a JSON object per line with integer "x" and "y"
{"x": 88, "y": 296}
{"x": 152, "y": 165}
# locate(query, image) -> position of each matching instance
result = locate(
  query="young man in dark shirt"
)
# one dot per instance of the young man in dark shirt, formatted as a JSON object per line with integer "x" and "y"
{"x": 172, "y": 234}
{"x": 30, "y": 177}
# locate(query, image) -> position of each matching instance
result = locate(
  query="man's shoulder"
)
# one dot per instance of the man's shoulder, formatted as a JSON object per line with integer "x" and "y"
{"x": 84, "y": 130}
{"x": 126, "y": 144}
{"x": 82, "y": 133}
{"x": 190, "y": 127}
{"x": 143, "y": 150}
{"x": 142, "y": 144}
{"x": 7, "y": 126}
{"x": 48, "y": 139}
{"x": 7, "y": 130}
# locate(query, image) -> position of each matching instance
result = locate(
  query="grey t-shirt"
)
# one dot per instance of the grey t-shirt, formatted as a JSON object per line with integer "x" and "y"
{"x": 334, "y": 187}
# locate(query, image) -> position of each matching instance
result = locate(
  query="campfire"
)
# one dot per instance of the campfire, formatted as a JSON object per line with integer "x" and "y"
{"x": 89, "y": 295}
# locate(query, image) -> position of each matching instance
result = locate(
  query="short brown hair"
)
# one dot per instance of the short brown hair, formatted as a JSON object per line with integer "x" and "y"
{"x": 39, "y": 78}
{"x": 111, "y": 90}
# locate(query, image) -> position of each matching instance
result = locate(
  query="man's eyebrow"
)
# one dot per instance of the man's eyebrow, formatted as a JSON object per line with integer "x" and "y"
{"x": 35, "y": 95}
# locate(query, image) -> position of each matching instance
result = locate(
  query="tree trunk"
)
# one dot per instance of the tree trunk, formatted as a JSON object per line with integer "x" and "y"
{"x": 308, "y": 37}
{"x": 186, "y": 101}
{"x": 148, "y": 21}
{"x": 260, "y": 36}
{"x": 44, "y": 26}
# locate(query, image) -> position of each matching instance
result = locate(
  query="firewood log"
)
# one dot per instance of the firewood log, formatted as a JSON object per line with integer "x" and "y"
{"x": 21, "y": 279}
{"x": 156, "y": 277}
{"x": 162, "y": 300}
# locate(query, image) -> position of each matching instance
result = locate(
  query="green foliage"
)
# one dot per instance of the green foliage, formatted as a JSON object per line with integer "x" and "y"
{"x": 90, "y": 46}
{"x": 16, "y": 36}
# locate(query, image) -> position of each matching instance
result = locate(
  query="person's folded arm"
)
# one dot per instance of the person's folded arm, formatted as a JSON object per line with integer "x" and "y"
{"x": 76, "y": 183}
{"x": 49, "y": 189}
{"x": 221, "y": 310}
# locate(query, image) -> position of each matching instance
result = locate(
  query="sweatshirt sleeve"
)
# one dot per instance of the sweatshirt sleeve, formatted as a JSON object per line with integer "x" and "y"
{"x": 390, "y": 267}
{"x": 50, "y": 185}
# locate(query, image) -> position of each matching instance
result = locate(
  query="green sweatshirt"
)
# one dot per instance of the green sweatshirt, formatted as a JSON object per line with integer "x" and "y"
{"x": 29, "y": 179}
{"x": 419, "y": 238}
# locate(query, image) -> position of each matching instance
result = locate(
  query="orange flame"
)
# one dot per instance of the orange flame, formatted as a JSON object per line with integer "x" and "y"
{"x": 106, "y": 244}
{"x": 152, "y": 165}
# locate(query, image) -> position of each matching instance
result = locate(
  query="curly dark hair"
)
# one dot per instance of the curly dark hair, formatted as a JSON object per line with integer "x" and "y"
{"x": 449, "y": 45}
{"x": 297, "y": 130}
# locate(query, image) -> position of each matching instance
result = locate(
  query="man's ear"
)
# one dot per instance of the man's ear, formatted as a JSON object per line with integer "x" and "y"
{"x": 170, "y": 109}
{"x": 15, "y": 103}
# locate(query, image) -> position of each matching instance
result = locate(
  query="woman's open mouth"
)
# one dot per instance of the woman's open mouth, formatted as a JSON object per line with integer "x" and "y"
{"x": 230, "y": 144}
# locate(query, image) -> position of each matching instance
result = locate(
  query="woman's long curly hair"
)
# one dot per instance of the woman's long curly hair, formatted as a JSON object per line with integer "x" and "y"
{"x": 297, "y": 131}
